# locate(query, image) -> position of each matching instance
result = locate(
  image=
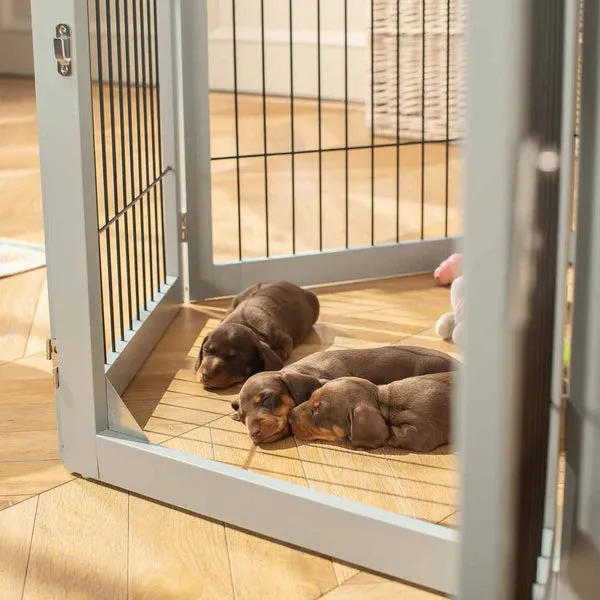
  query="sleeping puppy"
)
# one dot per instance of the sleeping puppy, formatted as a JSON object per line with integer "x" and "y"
{"x": 413, "y": 414}
{"x": 265, "y": 322}
{"x": 266, "y": 399}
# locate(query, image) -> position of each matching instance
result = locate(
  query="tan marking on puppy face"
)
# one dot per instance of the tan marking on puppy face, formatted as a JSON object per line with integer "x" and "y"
{"x": 287, "y": 404}
{"x": 338, "y": 431}
{"x": 273, "y": 423}
{"x": 219, "y": 382}
{"x": 308, "y": 431}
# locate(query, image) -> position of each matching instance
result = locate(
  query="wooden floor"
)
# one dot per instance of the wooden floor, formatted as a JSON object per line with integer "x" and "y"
{"x": 64, "y": 537}
{"x": 179, "y": 413}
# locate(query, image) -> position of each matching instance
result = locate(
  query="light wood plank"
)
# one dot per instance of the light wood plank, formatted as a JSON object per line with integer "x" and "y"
{"x": 28, "y": 445}
{"x": 344, "y": 572}
{"x": 79, "y": 546}
{"x": 361, "y": 476}
{"x": 26, "y": 381}
{"x": 266, "y": 570}
{"x": 428, "y": 338}
{"x": 198, "y": 442}
{"x": 11, "y": 500}
{"x": 365, "y": 586}
{"x": 232, "y": 445}
{"x": 40, "y": 326}
{"x": 428, "y": 481}
{"x": 167, "y": 427}
{"x": 32, "y": 477}
{"x": 19, "y": 296}
{"x": 173, "y": 554}
{"x": 453, "y": 520}
{"x": 28, "y": 416}
{"x": 16, "y": 527}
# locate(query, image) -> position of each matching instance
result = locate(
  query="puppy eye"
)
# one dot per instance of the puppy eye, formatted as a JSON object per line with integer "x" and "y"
{"x": 266, "y": 399}
{"x": 232, "y": 353}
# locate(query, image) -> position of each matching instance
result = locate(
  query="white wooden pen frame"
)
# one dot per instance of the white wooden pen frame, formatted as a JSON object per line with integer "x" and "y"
{"x": 419, "y": 552}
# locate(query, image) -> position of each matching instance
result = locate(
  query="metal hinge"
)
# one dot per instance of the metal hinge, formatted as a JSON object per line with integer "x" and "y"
{"x": 62, "y": 49}
{"x": 183, "y": 233}
{"x": 52, "y": 354}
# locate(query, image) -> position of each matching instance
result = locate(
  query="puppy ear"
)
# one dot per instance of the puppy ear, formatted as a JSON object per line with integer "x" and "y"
{"x": 367, "y": 427}
{"x": 199, "y": 359}
{"x": 300, "y": 386}
{"x": 236, "y": 406}
{"x": 271, "y": 361}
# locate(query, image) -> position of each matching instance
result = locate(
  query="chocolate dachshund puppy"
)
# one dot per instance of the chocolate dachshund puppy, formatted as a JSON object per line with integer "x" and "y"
{"x": 265, "y": 323}
{"x": 266, "y": 399}
{"x": 413, "y": 414}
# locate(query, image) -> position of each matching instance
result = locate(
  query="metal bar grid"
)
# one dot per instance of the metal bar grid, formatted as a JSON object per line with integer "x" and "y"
{"x": 129, "y": 164}
{"x": 295, "y": 221}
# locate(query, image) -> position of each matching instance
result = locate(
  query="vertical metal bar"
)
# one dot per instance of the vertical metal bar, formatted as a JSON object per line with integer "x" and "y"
{"x": 292, "y": 155}
{"x": 237, "y": 127}
{"x": 447, "y": 149}
{"x": 123, "y": 168}
{"x": 545, "y": 125}
{"x": 565, "y": 218}
{"x": 111, "y": 92}
{"x": 372, "y": 122}
{"x": 194, "y": 157}
{"x": 485, "y": 414}
{"x": 423, "y": 56}
{"x": 398, "y": 121}
{"x": 170, "y": 141}
{"x": 154, "y": 115}
{"x": 146, "y": 78}
{"x": 264, "y": 116}
{"x": 111, "y": 314}
{"x": 66, "y": 144}
{"x": 131, "y": 159}
{"x": 160, "y": 144}
{"x": 346, "y": 115}
{"x": 138, "y": 107}
{"x": 320, "y": 125}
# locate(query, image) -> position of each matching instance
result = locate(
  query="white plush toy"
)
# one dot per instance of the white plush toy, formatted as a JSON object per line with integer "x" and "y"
{"x": 450, "y": 325}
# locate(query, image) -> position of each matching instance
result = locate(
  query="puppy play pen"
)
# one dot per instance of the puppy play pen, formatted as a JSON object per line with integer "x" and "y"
{"x": 157, "y": 191}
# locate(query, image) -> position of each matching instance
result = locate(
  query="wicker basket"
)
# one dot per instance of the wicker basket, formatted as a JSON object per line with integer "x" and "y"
{"x": 429, "y": 100}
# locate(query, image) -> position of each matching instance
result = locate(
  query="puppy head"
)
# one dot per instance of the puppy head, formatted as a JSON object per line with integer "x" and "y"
{"x": 343, "y": 409}
{"x": 230, "y": 354}
{"x": 266, "y": 400}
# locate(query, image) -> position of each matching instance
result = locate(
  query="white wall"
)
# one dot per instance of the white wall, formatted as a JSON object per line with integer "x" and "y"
{"x": 277, "y": 39}
{"x": 16, "y": 55}
{"x": 16, "y": 51}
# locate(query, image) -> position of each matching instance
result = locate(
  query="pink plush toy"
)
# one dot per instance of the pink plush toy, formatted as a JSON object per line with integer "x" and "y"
{"x": 448, "y": 270}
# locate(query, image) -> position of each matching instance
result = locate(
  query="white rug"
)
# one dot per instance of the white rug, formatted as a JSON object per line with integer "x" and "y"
{"x": 18, "y": 257}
